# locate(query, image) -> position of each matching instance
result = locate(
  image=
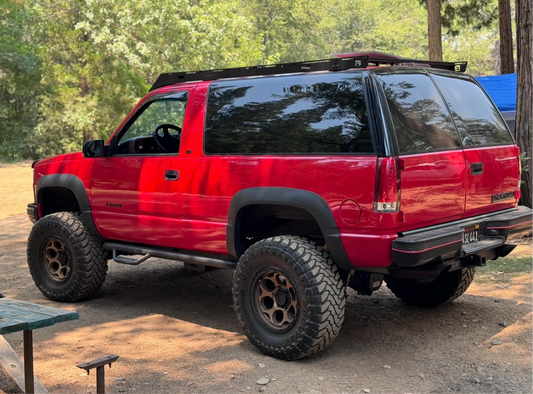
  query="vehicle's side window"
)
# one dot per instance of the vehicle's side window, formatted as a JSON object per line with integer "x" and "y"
{"x": 303, "y": 114}
{"x": 420, "y": 117}
{"x": 475, "y": 116}
{"x": 156, "y": 128}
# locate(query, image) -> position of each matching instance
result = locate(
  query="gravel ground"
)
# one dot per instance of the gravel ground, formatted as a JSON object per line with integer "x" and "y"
{"x": 175, "y": 331}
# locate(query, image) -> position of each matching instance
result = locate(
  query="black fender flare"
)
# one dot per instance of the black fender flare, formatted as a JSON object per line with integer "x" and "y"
{"x": 75, "y": 185}
{"x": 309, "y": 201}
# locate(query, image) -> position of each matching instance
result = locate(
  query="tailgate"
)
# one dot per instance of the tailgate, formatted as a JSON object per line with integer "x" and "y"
{"x": 492, "y": 162}
{"x": 492, "y": 179}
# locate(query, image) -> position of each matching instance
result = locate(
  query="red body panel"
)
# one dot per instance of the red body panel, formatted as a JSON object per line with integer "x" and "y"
{"x": 500, "y": 175}
{"x": 148, "y": 207}
{"x": 432, "y": 188}
{"x": 209, "y": 183}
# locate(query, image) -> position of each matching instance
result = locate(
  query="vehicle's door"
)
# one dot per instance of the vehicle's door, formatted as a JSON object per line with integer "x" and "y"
{"x": 432, "y": 162}
{"x": 135, "y": 190}
{"x": 492, "y": 166}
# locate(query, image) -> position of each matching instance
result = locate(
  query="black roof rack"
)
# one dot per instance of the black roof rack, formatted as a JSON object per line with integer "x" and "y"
{"x": 335, "y": 64}
{"x": 452, "y": 66}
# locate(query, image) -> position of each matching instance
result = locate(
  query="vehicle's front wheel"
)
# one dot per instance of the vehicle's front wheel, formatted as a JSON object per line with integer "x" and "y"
{"x": 66, "y": 260}
{"x": 289, "y": 297}
{"x": 432, "y": 292}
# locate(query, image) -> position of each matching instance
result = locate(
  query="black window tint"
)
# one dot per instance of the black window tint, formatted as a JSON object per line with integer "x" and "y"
{"x": 476, "y": 118}
{"x": 419, "y": 115}
{"x": 322, "y": 113}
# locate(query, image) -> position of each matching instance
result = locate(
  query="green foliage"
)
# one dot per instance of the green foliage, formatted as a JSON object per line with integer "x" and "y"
{"x": 460, "y": 14}
{"x": 70, "y": 70}
{"x": 508, "y": 265}
{"x": 20, "y": 73}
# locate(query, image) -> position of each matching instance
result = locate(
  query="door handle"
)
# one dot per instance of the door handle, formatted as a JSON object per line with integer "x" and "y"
{"x": 476, "y": 168}
{"x": 172, "y": 175}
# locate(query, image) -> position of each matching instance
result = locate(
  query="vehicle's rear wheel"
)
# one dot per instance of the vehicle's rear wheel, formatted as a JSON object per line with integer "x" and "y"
{"x": 66, "y": 260}
{"x": 432, "y": 292}
{"x": 289, "y": 297}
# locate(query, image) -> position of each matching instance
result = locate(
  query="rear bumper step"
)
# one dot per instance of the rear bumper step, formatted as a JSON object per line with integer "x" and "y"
{"x": 446, "y": 242}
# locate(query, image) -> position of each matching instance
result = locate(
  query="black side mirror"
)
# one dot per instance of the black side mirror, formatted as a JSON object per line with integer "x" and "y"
{"x": 94, "y": 148}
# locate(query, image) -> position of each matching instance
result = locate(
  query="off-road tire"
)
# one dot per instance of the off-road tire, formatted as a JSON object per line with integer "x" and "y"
{"x": 320, "y": 290}
{"x": 445, "y": 288}
{"x": 88, "y": 265}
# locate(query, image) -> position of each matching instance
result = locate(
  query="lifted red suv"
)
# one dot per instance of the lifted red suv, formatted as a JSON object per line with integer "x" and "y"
{"x": 305, "y": 178}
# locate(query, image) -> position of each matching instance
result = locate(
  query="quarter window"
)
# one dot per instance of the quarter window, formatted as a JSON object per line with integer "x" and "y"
{"x": 314, "y": 114}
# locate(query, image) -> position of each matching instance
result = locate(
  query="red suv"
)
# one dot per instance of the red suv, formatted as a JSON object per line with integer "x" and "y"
{"x": 305, "y": 178}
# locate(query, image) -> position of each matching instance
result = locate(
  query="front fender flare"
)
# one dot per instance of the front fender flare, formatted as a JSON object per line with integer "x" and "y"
{"x": 75, "y": 185}
{"x": 309, "y": 201}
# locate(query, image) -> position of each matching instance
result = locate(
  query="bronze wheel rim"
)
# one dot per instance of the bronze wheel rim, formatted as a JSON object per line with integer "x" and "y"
{"x": 56, "y": 260}
{"x": 275, "y": 301}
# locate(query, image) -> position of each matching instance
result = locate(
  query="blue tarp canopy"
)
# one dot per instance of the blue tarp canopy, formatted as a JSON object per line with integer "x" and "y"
{"x": 501, "y": 89}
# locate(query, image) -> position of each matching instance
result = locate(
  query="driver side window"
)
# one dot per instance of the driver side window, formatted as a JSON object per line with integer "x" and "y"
{"x": 155, "y": 128}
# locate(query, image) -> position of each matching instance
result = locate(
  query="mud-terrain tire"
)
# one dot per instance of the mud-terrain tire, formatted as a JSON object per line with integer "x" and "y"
{"x": 301, "y": 285}
{"x": 431, "y": 293}
{"x": 66, "y": 260}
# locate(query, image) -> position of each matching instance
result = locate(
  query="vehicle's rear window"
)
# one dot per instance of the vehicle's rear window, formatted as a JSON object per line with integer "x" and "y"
{"x": 302, "y": 114}
{"x": 475, "y": 116}
{"x": 421, "y": 120}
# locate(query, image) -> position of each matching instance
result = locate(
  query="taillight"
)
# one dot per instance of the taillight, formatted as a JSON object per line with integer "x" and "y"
{"x": 517, "y": 153}
{"x": 517, "y": 193}
{"x": 387, "y": 195}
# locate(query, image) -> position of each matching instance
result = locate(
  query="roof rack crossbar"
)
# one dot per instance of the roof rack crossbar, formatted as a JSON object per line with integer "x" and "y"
{"x": 453, "y": 66}
{"x": 336, "y": 64}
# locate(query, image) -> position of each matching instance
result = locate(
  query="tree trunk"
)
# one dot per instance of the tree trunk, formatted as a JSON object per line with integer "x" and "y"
{"x": 524, "y": 99}
{"x": 434, "y": 30}
{"x": 85, "y": 92}
{"x": 506, "y": 37}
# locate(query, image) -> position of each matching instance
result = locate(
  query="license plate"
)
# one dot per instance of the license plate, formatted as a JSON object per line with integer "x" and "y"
{"x": 472, "y": 234}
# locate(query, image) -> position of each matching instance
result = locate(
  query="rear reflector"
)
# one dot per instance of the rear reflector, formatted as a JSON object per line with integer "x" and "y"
{"x": 387, "y": 195}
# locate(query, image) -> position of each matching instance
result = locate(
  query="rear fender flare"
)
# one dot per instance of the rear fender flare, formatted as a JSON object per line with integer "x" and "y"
{"x": 309, "y": 201}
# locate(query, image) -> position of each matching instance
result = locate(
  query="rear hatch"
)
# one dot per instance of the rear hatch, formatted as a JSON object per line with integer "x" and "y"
{"x": 491, "y": 157}
{"x": 456, "y": 156}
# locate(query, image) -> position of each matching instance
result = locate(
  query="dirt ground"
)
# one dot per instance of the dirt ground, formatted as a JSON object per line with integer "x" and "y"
{"x": 175, "y": 331}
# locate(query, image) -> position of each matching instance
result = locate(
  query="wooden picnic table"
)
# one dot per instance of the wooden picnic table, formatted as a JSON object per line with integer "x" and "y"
{"x": 24, "y": 316}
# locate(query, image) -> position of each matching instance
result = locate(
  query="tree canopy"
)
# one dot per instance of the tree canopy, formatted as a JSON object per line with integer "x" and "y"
{"x": 72, "y": 69}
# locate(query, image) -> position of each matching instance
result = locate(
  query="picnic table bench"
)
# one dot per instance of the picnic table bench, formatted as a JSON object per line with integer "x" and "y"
{"x": 24, "y": 316}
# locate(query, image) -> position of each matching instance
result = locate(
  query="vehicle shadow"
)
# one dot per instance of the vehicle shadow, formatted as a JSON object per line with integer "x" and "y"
{"x": 205, "y": 299}
{"x": 175, "y": 324}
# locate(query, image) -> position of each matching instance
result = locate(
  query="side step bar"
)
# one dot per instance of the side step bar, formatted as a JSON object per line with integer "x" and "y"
{"x": 164, "y": 254}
